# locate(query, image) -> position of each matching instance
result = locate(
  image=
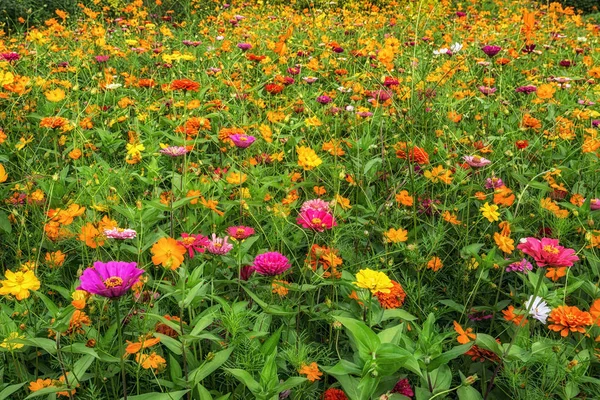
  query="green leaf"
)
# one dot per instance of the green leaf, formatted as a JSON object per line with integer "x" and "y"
{"x": 81, "y": 366}
{"x": 246, "y": 379}
{"x": 201, "y": 324}
{"x": 7, "y": 391}
{"x": 159, "y": 396}
{"x": 290, "y": 383}
{"x": 5, "y": 223}
{"x": 208, "y": 367}
{"x": 453, "y": 305}
{"x": 468, "y": 393}
{"x": 449, "y": 355}
{"x": 53, "y": 308}
{"x": 367, "y": 386}
{"x": 392, "y": 335}
{"x": 363, "y": 337}
{"x": 268, "y": 375}
{"x": 489, "y": 343}
{"x": 343, "y": 367}
{"x": 398, "y": 313}
{"x": 271, "y": 343}
{"x": 173, "y": 345}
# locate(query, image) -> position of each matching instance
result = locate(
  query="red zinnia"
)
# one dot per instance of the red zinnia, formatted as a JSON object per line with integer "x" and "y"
{"x": 185, "y": 84}
{"x": 334, "y": 394}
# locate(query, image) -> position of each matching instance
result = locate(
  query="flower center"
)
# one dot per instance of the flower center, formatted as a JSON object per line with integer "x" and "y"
{"x": 476, "y": 158}
{"x": 188, "y": 240}
{"x": 316, "y": 221}
{"x": 218, "y": 245}
{"x": 240, "y": 231}
{"x": 113, "y": 281}
{"x": 551, "y": 249}
{"x": 243, "y": 138}
{"x": 19, "y": 278}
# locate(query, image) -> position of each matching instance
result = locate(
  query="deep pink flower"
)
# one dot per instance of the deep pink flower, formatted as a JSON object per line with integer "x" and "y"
{"x": 271, "y": 264}
{"x": 111, "y": 279}
{"x": 595, "y": 204}
{"x": 219, "y": 245}
{"x": 317, "y": 220}
{"x": 241, "y": 140}
{"x": 491, "y": 51}
{"x": 244, "y": 46}
{"x": 520, "y": 266}
{"x": 10, "y": 56}
{"x": 403, "y": 388}
{"x": 324, "y": 99}
{"x": 240, "y": 232}
{"x": 547, "y": 252}
{"x": 102, "y": 59}
{"x": 526, "y": 89}
{"x": 194, "y": 243}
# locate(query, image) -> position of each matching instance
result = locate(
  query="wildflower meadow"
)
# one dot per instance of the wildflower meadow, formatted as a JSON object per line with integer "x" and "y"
{"x": 344, "y": 200}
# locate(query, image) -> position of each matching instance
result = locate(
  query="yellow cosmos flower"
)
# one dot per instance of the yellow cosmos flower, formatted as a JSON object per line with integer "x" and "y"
{"x": 396, "y": 235}
{"x": 8, "y": 343}
{"x": 55, "y": 95}
{"x": 490, "y": 212}
{"x": 375, "y": 281}
{"x": 307, "y": 158}
{"x": 19, "y": 284}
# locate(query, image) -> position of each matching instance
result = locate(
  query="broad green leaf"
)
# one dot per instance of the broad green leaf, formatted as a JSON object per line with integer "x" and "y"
{"x": 7, "y": 391}
{"x": 159, "y": 396}
{"x": 468, "y": 393}
{"x": 449, "y": 355}
{"x": 270, "y": 344}
{"x": 364, "y": 338}
{"x": 489, "y": 343}
{"x": 398, "y": 313}
{"x": 173, "y": 345}
{"x": 245, "y": 378}
{"x": 208, "y": 367}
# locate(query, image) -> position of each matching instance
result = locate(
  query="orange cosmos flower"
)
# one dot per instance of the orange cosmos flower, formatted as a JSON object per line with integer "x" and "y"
{"x": 435, "y": 264}
{"x": 142, "y": 343}
{"x": 464, "y": 336}
{"x": 91, "y": 236}
{"x": 311, "y": 371}
{"x": 168, "y": 252}
{"x": 151, "y": 361}
{"x": 567, "y": 319}
{"x": 404, "y": 198}
{"x": 510, "y": 316}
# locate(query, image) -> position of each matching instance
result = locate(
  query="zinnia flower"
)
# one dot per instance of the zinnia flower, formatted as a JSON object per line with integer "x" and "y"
{"x": 311, "y": 371}
{"x": 520, "y": 266}
{"x": 334, "y": 394}
{"x": 219, "y": 245}
{"x": 119, "y": 233}
{"x": 242, "y": 140}
{"x": 317, "y": 220}
{"x": 567, "y": 319}
{"x": 193, "y": 243}
{"x": 19, "y": 284}
{"x": 547, "y": 252}
{"x": 393, "y": 299}
{"x": 173, "y": 151}
{"x": 271, "y": 264}
{"x": 111, "y": 279}
{"x": 491, "y": 51}
{"x": 315, "y": 204}
{"x": 403, "y": 388}
{"x": 476, "y": 161}
{"x": 240, "y": 232}
{"x": 595, "y": 204}
{"x": 375, "y": 281}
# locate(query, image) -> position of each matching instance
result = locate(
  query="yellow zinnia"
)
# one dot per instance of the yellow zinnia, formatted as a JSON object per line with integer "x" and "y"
{"x": 375, "y": 281}
{"x": 19, "y": 284}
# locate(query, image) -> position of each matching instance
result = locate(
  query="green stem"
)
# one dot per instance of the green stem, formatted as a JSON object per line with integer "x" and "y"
{"x": 121, "y": 352}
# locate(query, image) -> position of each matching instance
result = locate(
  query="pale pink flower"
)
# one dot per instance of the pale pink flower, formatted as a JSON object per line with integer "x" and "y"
{"x": 219, "y": 245}
{"x": 316, "y": 204}
{"x": 119, "y": 233}
{"x": 476, "y": 161}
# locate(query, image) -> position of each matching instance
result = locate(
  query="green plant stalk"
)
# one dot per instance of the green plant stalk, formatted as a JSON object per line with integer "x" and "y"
{"x": 121, "y": 352}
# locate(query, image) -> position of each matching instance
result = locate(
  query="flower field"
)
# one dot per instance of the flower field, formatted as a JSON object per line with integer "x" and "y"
{"x": 279, "y": 200}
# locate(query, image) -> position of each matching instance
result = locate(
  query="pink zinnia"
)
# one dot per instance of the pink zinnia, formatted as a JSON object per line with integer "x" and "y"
{"x": 119, "y": 233}
{"x": 219, "y": 245}
{"x": 476, "y": 161}
{"x": 174, "y": 151}
{"x": 547, "y": 252}
{"x": 595, "y": 204}
{"x": 403, "y": 388}
{"x": 317, "y": 220}
{"x": 194, "y": 243}
{"x": 242, "y": 140}
{"x": 271, "y": 264}
{"x": 111, "y": 279}
{"x": 240, "y": 232}
{"x": 315, "y": 204}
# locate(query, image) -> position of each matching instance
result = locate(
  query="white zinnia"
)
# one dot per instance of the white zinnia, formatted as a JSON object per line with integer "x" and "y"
{"x": 538, "y": 308}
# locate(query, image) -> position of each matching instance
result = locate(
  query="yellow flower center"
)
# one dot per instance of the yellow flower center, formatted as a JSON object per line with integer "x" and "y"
{"x": 19, "y": 278}
{"x": 316, "y": 221}
{"x": 188, "y": 240}
{"x": 240, "y": 231}
{"x": 113, "y": 281}
{"x": 243, "y": 138}
{"x": 551, "y": 249}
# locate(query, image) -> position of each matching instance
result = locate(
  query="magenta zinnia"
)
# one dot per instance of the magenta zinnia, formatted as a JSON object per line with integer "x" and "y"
{"x": 111, "y": 279}
{"x": 240, "y": 232}
{"x": 194, "y": 243}
{"x": 317, "y": 220}
{"x": 271, "y": 264}
{"x": 547, "y": 252}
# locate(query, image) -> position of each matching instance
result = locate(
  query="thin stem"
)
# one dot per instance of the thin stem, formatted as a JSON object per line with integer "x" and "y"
{"x": 121, "y": 353}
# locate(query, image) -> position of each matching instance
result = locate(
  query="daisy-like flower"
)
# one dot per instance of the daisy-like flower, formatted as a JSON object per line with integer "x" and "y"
{"x": 317, "y": 220}
{"x": 493, "y": 183}
{"x": 111, "y": 279}
{"x": 538, "y": 308}
{"x": 476, "y": 161}
{"x": 567, "y": 319}
{"x": 19, "y": 284}
{"x": 271, "y": 264}
{"x": 241, "y": 140}
{"x": 526, "y": 89}
{"x": 219, "y": 245}
{"x": 595, "y": 204}
{"x": 520, "y": 266}
{"x": 487, "y": 90}
{"x": 375, "y": 281}
{"x": 240, "y": 232}
{"x": 244, "y": 46}
{"x": 315, "y": 204}
{"x": 310, "y": 79}
{"x": 491, "y": 51}
{"x": 174, "y": 151}
{"x": 547, "y": 253}
{"x": 193, "y": 243}
{"x": 120, "y": 233}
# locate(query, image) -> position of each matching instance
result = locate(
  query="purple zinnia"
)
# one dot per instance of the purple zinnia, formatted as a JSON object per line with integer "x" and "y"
{"x": 244, "y": 46}
{"x": 271, "y": 264}
{"x": 493, "y": 183}
{"x": 526, "y": 89}
{"x": 491, "y": 51}
{"x": 242, "y": 140}
{"x": 487, "y": 90}
{"x": 520, "y": 266}
{"x": 111, "y": 279}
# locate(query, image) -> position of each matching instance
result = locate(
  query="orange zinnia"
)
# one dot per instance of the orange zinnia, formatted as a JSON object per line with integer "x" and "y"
{"x": 311, "y": 371}
{"x": 393, "y": 299}
{"x": 185, "y": 84}
{"x": 569, "y": 319}
{"x": 168, "y": 252}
